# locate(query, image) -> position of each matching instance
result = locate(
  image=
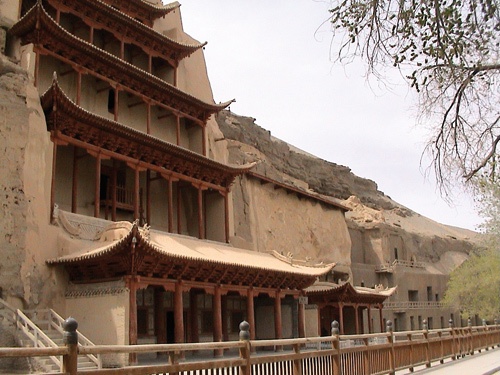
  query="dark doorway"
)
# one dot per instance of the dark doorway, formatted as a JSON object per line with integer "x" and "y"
{"x": 170, "y": 327}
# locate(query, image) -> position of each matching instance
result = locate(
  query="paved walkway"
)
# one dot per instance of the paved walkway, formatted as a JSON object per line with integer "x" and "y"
{"x": 485, "y": 363}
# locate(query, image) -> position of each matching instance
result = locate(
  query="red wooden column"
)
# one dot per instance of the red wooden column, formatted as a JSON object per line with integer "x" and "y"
{"x": 356, "y": 316}
{"x": 170, "y": 205}
{"x": 369, "y": 312}
{"x": 217, "y": 315}
{"x": 148, "y": 117}
{"x": 301, "y": 317}
{"x": 114, "y": 183}
{"x": 132, "y": 330}
{"x": 201, "y": 226}
{"x": 178, "y": 129}
{"x": 226, "y": 214}
{"x": 179, "y": 211}
{"x": 278, "y": 330}
{"x": 122, "y": 49}
{"x": 74, "y": 188}
{"x": 116, "y": 103}
{"x": 160, "y": 317}
{"x": 53, "y": 182}
{"x": 319, "y": 320}
{"x": 225, "y": 332}
{"x": 341, "y": 317}
{"x": 193, "y": 316}
{"x": 178, "y": 313}
{"x": 136, "y": 193}
{"x": 251, "y": 313}
{"x": 148, "y": 196}
{"x": 78, "y": 87}
{"x": 204, "y": 140}
{"x": 382, "y": 329}
{"x": 97, "y": 191}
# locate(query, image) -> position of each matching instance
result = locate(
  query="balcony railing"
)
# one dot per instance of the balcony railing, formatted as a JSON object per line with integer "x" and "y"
{"x": 409, "y": 305}
{"x": 389, "y": 267}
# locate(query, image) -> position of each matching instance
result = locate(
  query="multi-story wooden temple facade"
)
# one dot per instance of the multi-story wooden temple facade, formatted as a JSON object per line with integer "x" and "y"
{"x": 152, "y": 236}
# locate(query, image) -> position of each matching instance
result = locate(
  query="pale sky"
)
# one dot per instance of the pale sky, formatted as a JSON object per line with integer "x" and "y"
{"x": 274, "y": 58}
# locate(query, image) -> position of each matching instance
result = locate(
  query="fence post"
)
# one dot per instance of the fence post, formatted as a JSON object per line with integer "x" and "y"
{"x": 427, "y": 344}
{"x": 392, "y": 354}
{"x": 70, "y": 337}
{"x": 471, "y": 343}
{"x": 336, "y": 347}
{"x": 245, "y": 351}
{"x": 498, "y": 332}
{"x": 453, "y": 344}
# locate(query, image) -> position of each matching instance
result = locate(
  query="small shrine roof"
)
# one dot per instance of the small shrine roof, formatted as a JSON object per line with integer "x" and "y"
{"x": 330, "y": 292}
{"x": 123, "y": 248}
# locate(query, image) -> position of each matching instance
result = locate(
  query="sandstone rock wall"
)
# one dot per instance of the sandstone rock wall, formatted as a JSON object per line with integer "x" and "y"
{"x": 377, "y": 224}
{"x": 270, "y": 219}
{"x": 24, "y": 186}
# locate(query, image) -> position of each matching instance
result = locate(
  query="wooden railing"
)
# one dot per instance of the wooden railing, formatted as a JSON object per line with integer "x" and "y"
{"x": 55, "y": 322}
{"x": 381, "y": 353}
{"x": 37, "y": 337}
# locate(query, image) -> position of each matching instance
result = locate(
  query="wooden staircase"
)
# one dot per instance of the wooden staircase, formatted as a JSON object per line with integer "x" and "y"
{"x": 44, "y": 328}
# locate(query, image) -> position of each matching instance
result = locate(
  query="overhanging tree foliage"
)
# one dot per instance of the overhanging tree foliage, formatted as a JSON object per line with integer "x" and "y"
{"x": 449, "y": 51}
{"x": 474, "y": 287}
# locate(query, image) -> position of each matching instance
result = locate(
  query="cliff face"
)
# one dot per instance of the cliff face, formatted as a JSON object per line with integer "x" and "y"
{"x": 377, "y": 224}
{"x": 322, "y": 176}
{"x": 24, "y": 142}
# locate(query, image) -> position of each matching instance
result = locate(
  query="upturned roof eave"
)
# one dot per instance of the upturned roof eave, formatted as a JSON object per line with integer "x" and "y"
{"x": 182, "y": 50}
{"x": 300, "y": 277}
{"x": 37, "y": 16}
{"x": 55, "y": 98}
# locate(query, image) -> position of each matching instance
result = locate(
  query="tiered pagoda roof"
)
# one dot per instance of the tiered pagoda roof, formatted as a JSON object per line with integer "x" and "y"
{"x": 98, "y": 14}
{"x": 168, "y": 256}
{"x": 73, "y": 124}
{"x": 39, "y": 28}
